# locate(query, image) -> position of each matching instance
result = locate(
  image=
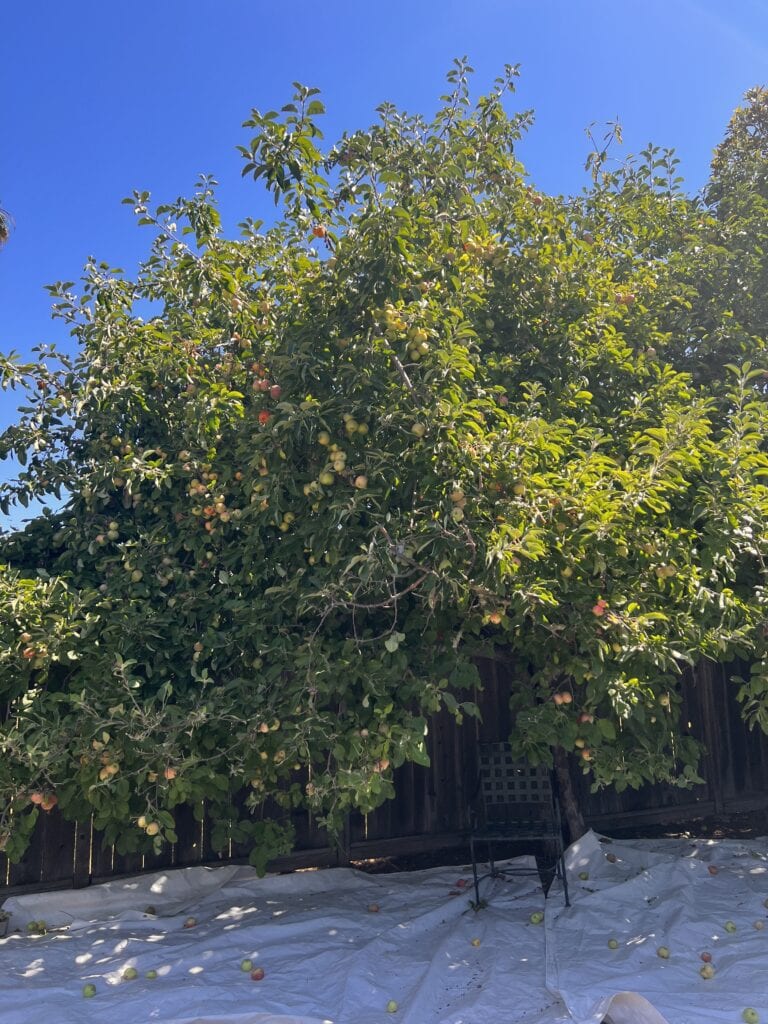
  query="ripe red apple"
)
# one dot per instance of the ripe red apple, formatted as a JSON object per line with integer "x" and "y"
{"x": 257, "y": 974}
{"x": 713, "y": 869}
{"x": 275, "y": 391}
{"x": 373, "y": 908}
{"x": 264, "y": 417}
{"x": 319, "y": 231}
{"x": 706, "y": 957}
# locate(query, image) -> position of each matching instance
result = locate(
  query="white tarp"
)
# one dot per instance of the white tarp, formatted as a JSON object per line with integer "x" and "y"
{"x": 328, "y": 959}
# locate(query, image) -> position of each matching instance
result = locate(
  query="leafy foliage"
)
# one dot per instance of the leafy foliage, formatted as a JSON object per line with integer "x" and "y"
{"x": 430, "y": 414}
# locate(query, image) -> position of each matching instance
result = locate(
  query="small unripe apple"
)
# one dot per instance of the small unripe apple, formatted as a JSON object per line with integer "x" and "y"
{"x": 730, "y": 927}
{"x": 151, "y": 975}
{"x": 391, "y": 1006}
{"x": 89, "y": 991}
{"x": 246, "y": 965}
{"x": 613, "y": 943}
{"x": 750, "y": 1015}
{"x": 663, "y": 952}
{"x": 584, "y": 876}
{"x": 130, "y": 974}
{"x": 536, "y": 917}
{"x": 475, "y": 942}
{"x": 418, "y": 429}
{"x": 152, "y": 828}
{"x": 707, "y": 971}
{"x": 758, "y": 925}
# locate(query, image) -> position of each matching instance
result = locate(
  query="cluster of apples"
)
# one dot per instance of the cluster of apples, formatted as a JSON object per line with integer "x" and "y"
{"x": 45, "y": 800}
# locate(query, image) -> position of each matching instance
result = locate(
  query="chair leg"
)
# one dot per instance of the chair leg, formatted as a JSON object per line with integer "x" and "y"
{"x": 474, "y": 871}
{"x": 564, "y": 875}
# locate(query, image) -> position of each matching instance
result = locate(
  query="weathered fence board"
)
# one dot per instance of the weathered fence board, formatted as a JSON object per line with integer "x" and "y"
{"x": 431, "y": 807}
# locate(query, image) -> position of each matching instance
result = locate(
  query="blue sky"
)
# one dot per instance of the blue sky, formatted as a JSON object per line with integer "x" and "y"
{"x": 100, "y": 98}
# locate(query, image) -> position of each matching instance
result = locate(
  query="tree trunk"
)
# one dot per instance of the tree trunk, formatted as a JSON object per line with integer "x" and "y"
{"x": 569, "y": 802}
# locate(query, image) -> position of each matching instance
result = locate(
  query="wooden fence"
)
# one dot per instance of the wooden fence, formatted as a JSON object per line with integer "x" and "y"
{"x": 431, "y": 808}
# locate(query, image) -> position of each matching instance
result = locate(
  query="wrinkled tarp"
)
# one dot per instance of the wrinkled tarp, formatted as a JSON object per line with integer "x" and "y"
{"x": 329, "y": 959}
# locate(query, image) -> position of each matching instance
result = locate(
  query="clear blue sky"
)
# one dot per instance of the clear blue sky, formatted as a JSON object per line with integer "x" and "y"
{"x": 99, "y": 98}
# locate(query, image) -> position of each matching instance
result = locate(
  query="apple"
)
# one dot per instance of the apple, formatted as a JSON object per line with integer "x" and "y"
{"x": 536, "y": 917}
{"x": 319, "y": 231}
{"x": 557, "y": 698}
{"x": 418, "y": 429}
{"x": 706, "y": 957}
{"x": 663, "y": 952}
{"x": 567, "y": 697}
{"x": 461, "y": 883}
{"x": 361, "y": 482}
{"x": 152, "y": 828}
{"x": 730, "y": 926}
{"x": 169, "y": 773}
{"x": 275, "y": 391}
{"x": 89, "y": 991}
{"x": 567, "y": 572}
{"x": 475, "y": 942}
{"x": 611, "y": 858}
{"x": 392, "y": 1006}
{"x": 130, "y": 974}
{"x": 712, "y": 869}
{"x": 759, "y": 925}
{"x": 326, "y": 478}
{"x": 579, "y": 742}
{"x": 750, "y": 1015}
{"x": 584, "y": 876}
{"x": 191, "y": 922}
{"x": 585, "y": 717}
{"x": 246, "y": 965}
{"x": 586, "y": 754}
{"x": 324, "y": 437}
{"x": 519, "y": 489}
{"x": 151, "y": 975}
{"x": 613, "y": 943}
{"x": 257, "y": 974}
{"x": 373, "y": 908}
{"x": 707, "y": 971}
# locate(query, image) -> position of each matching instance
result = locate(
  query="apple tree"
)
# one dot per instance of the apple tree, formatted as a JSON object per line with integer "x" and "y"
{"x": 307, "y": 476}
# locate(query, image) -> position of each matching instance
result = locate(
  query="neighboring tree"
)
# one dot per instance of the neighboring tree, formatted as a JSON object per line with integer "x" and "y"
{"x": 311, "y": 475}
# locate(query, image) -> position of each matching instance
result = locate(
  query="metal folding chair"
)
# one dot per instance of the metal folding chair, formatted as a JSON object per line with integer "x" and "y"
{"x": 515, "y": 803}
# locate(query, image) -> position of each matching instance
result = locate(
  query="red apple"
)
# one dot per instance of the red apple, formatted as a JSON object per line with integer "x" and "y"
{"x": 257, "y": 974}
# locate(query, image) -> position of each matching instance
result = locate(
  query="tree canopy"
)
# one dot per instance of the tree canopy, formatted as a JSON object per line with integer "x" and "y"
{"x": 309, "y": 475}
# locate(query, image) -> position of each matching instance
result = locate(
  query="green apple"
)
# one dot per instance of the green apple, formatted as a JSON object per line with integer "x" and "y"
{"x": 130, "y": 974}
{"x": 536, "y": 917}
{"x": 613, "y": 943}
{"x": 89, "y": 991}
{"x": 418, "y": 429}
{"x": 392, "y": 1006}
{"x": 246, "y": 965}
{"x": 750, "y": 1016}
{"x": 151, "y": 975}
{"x": 707, "y": 971}
{"x": 663, "y": 952}
{"x": 730, "y": 926}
